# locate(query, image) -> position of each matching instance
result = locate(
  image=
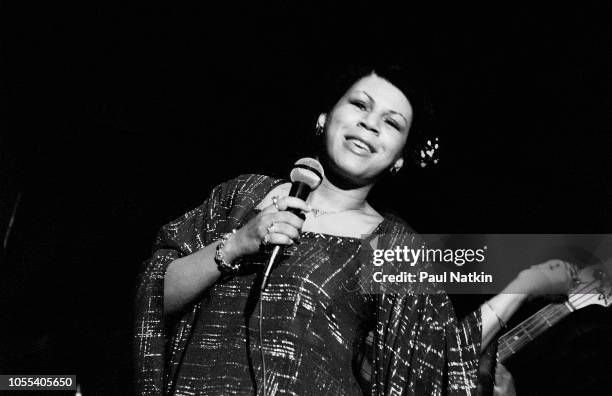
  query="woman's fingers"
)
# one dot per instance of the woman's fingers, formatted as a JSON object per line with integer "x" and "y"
{"x": 288, "y": 218}
{"x": 284, "y": 203}
{"x": 294, "y": 203}
{"x": 281, "y": 217}
{"x": 275, "y": 238}
{"x": 280, "y": 228}
{"x": 286, "y": 229}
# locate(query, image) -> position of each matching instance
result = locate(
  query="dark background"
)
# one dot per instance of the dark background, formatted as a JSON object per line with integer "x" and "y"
{"x": 119, "y": 118}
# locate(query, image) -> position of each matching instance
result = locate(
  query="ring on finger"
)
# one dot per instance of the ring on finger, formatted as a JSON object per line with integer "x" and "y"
{"x": 275, "y": 202}
{"x": 269, "y": 229}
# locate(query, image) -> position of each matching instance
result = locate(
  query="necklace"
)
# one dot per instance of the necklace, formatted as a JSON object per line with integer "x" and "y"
{"x": 318, "y": 212}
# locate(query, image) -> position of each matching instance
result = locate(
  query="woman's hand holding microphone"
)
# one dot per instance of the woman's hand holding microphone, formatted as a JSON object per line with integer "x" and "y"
{"x": 188, "y": 276}
{"x": 274, "y": 225}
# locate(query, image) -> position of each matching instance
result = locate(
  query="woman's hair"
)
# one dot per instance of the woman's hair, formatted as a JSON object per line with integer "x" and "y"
{"x": 410, "y": 81}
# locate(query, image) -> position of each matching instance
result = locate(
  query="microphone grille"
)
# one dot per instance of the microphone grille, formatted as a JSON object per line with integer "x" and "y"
{"x": 307, "y": 170}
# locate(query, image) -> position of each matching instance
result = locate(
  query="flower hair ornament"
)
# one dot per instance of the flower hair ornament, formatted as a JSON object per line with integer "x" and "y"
{"x": 428, "y": 155}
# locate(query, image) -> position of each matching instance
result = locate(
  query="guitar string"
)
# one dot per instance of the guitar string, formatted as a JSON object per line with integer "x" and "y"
{"x": 535, "y": 321}
{"x": 572, "y": 299}
{"x": 541, "y": 319}
{"x": 510, "y": 345}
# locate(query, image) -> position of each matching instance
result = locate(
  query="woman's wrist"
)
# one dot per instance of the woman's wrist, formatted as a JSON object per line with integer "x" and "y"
{"x": 230, "y": 249}
{"x": 503, "y": 305}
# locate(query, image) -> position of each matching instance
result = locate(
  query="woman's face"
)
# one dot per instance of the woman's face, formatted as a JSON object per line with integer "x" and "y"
{"x": 367, "y": 130}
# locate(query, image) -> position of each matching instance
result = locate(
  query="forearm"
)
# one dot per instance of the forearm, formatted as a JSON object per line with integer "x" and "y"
{"x": 189, "y": 276}
{"x": 503, "y": 305}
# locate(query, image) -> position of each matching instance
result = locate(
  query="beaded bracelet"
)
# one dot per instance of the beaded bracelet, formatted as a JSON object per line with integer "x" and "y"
{"x": 222, "y": 265}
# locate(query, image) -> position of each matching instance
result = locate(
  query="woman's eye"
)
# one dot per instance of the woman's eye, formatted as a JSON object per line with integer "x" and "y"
{"x": 359, "y": 104}
{"x": 393, "y": 124}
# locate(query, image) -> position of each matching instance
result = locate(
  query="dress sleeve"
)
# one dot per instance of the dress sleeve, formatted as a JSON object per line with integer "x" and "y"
{"x": 183, "y": 236}
{"x": 157, "y": 351}
{"x": 420, "y": 348}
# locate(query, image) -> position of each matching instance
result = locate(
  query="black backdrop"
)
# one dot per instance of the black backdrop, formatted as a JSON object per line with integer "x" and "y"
{"x": 119, "y": 118}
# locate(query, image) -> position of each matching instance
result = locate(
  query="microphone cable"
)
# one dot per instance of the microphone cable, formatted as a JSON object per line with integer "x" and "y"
{"x": 261, "y": 302}
{"x": 305, "y": 176}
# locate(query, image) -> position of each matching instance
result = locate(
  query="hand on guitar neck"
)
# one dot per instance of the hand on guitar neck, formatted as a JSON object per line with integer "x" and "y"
{"x": 591, "y": 286}
{"x": 550, "y": 278}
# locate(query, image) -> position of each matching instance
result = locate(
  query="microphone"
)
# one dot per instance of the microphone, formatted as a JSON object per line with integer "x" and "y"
{"x": 306, "y": 175}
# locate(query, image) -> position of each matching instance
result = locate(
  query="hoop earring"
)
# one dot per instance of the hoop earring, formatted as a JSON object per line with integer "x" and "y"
{"x": 394, "y": 170}
{"x": 319, "y": 130}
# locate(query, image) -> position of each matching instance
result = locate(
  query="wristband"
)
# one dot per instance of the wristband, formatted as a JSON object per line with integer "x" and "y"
{"x": 223, "y": 266}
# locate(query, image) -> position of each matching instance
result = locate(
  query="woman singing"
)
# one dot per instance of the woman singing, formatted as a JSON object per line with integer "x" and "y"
{"x": 198, "y": 321}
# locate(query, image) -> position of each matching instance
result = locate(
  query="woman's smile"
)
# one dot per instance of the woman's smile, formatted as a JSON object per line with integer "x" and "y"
{"x": 359, "y": 146}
